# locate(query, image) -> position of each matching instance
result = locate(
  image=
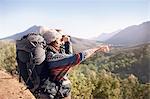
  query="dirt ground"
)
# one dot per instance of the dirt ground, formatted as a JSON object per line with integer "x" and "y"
{"x": 10, "y": 88}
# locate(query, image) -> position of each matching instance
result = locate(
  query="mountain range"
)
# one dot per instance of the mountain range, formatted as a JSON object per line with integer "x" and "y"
{"x": 130, "y": 36}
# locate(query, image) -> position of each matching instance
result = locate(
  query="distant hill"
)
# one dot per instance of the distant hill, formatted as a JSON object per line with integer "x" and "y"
{"x": 132, "y": 35}
{"x": 33, "y": 29}
{"x": 105, "y": 36}
{"x": 78, "y": 43}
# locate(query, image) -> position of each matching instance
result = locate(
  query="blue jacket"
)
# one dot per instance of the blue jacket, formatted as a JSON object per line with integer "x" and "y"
{"x": 60, "y": 63}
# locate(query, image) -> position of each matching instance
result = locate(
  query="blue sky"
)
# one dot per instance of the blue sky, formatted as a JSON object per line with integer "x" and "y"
{"x": 80, "y": 18}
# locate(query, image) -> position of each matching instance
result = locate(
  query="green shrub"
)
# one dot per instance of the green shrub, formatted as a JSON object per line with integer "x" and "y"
{"x": 8, "y": 56}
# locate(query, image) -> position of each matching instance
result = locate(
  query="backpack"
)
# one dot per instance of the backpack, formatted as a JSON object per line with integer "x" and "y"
{"x": 30, "y": 55}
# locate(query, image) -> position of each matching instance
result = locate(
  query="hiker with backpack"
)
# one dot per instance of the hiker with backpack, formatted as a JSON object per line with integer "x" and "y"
{"x": 44, "y": 62}
{"x": 60, "y": 63}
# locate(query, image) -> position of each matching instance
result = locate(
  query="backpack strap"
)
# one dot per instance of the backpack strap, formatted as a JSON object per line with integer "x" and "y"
{"x": 32, "y": 71}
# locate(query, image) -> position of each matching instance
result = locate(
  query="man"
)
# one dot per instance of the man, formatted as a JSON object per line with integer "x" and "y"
{"x": 60, "y": 63}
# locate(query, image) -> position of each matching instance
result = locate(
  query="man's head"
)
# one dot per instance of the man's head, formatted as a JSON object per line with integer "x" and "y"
{"x": 54, "y": 39}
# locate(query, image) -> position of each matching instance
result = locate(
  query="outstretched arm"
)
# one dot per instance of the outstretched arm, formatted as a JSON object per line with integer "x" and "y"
{"x": 60, "y": 64}
{"x": 59, "y": 60}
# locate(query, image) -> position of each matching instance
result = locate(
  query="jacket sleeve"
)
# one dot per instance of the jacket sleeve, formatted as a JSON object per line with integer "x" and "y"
{"x": 63, "y": 60}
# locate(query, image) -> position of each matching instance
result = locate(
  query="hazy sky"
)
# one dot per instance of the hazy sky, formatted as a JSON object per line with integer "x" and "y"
{"x": 80, "y": 18}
